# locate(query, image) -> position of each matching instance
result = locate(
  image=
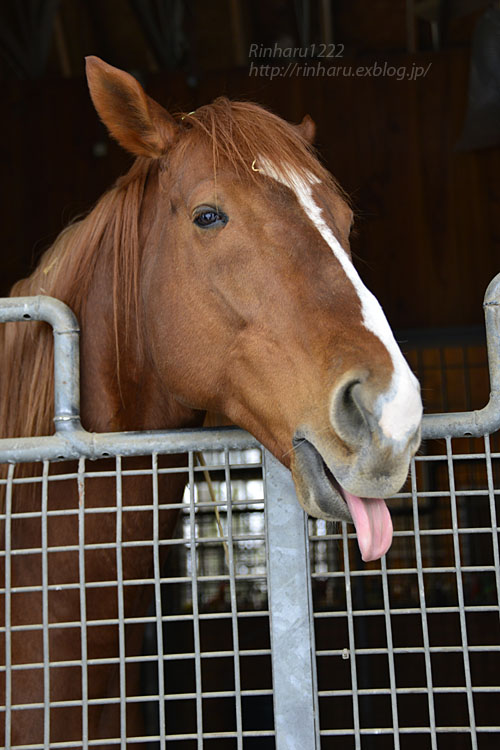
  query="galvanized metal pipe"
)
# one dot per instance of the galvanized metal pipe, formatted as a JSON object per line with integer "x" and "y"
{"x": 487, "y": 420}
{"x": 66, "y": 350}
{"x": 296, "y": 714}
{"x": 72, "y": 441}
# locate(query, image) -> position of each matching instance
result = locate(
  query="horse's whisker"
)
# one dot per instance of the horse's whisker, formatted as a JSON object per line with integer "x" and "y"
{"x": 294, "y": 447}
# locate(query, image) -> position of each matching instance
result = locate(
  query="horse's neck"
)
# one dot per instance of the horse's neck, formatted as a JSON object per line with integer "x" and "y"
{"x": 122, "y": 393}
{"x": 121, "y": 390}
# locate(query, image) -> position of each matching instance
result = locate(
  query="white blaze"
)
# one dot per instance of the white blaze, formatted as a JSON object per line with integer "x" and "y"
{"x": 401, "y": 406}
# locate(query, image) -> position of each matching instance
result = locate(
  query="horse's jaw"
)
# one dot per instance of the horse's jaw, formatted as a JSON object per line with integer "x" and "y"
{"x": 322, "y": 496}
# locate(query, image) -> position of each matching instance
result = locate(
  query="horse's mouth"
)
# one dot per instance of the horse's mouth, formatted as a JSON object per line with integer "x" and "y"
{"x": 318, "y": 490}
{"x": 321, "y": 495}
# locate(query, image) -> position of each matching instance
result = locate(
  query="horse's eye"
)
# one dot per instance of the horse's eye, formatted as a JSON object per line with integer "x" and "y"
{"x": 207, "y": 218}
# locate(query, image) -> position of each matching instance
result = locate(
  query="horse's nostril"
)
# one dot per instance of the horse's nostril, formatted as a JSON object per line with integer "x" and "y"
{"x": 349, "y": 417}
{"x": 361, "y": 414}
{"x": 348, "y": 396}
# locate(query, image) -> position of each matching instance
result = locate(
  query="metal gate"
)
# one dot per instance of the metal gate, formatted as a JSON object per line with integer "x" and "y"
{"x": 295, "y": 644}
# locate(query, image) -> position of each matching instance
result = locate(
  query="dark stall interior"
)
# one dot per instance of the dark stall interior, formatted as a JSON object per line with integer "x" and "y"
{"x": 405, "y": 95}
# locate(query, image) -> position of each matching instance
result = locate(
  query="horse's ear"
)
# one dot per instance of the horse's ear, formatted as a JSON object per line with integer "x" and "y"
{"x": 138, "y": 123}
{"x": 307, "y": 129}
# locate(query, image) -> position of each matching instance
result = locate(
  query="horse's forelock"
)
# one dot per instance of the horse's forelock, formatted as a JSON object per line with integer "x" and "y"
{"x": 239, "y": 132}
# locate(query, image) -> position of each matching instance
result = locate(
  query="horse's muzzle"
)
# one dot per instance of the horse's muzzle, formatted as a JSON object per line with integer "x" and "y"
{"x": 322, "y": 490}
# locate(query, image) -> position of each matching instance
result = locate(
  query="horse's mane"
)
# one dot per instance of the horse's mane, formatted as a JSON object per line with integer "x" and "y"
{"x": 66, "y": 271}
{"x": 238, "y": 132}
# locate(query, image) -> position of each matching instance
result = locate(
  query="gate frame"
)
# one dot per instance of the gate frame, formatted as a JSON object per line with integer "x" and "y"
{"x": 288, "y": 567}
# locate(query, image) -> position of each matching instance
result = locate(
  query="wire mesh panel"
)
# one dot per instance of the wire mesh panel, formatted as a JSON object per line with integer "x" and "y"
{"x": 408, "y": 649}
{"x": 95, "y": 558}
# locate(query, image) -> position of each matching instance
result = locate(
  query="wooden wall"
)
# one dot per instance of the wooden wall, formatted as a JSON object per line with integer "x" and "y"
{"x": 428, "y": 229}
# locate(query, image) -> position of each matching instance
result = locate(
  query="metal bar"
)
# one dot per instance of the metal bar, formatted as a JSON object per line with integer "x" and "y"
{"x": 108, "y": 444}
{"x": 100, "y": 701}
{"x": 493, "y": 514}
{"x": 144, "y": 658}
{"x": 78, "y": 443}
{"x": 45, "y": 607}
{"x": 72, "y": 441}
{"x": 66, "y": 350}
{"x": 460, "y": 595}
{"x": 83, "y": 600}
{"x": 290, "y": 605}
{"x": 121, "y": 607}
{"x": 158, "y": 606}
{"x": 379, "y": 731}
{"x": 8, "y": 607}
{"x": 352, "y": 643}
{"x": 234, "y": 603}
{"x": 390, "y": 654}
{"x": 486, "y": 420}
{"x": 195, "y": 605}
{"x": 423, "y": 607}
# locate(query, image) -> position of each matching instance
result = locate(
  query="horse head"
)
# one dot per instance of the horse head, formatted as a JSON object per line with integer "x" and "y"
{"x": 252, "y": 305}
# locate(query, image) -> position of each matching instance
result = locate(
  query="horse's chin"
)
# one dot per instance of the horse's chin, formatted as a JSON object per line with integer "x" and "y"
{"x": 318, "y": 491}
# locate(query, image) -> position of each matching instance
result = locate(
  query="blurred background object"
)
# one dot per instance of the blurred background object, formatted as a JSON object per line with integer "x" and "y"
{"x": 482, "y": 124}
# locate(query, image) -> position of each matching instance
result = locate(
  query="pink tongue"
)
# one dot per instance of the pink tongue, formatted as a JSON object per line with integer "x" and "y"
{"x": 373, "y": 525}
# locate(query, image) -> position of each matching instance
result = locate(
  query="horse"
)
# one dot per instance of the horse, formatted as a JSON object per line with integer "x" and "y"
{"x": 215, "y": 276}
